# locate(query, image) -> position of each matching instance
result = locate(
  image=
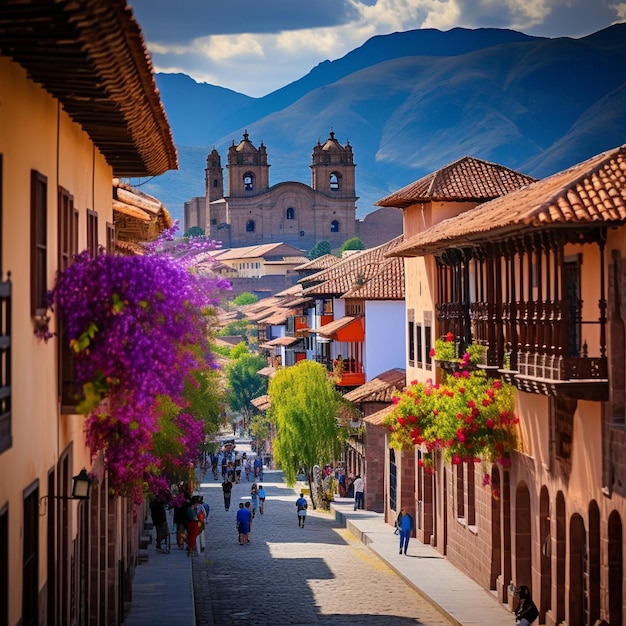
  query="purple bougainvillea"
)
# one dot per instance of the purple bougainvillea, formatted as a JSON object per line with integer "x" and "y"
{"x": 138, "y": 330}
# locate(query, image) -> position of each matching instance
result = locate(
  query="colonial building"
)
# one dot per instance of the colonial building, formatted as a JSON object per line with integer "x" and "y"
{"x": 252, "y": 212}
{"x": 538, "y": 278}
{"x": 79, "y": 107}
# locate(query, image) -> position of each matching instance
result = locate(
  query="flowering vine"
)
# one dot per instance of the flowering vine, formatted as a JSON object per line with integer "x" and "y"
{"x": 469, "y": 417}
{"x": 138, "y": 329}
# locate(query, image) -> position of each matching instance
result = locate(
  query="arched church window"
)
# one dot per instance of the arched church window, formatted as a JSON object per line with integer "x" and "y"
{"x": 334, "y": 226}
{"x": 334, "y": 181}
{"x": 248, "y": 181}
{"x": 291, "y": 214}
{"x": 250, "y": 226}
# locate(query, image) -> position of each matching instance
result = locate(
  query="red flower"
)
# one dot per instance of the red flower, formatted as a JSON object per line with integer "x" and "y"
{"x": 401, "y": 421}
{"x": 395, "y": 400}
{"x": 412, "y": 419}
{"x": 432, "y": 352}
{"x": 489, "y": 423}
{"x": 449, "y": 337}
{"x": 486, "y": 402}
{"x": 456, "y": 459}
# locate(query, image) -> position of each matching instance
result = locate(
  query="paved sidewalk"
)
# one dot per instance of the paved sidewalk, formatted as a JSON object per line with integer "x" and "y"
{"x": 163, "y": 587}
{"x": 455, "y": 595}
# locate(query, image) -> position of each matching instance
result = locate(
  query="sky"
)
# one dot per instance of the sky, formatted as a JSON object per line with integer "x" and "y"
{"x": 257, "y": 46}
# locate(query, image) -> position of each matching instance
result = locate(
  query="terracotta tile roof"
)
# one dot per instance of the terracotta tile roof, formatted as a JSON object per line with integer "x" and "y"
{"x": 287, "y": 260}
{"x": 262, "y": 403}
{"x": 468, "y": 179}
{"x": 279, "y": 316}
{"x": 361, "y": 276}
{"x": 321, "y": 263}
{"x": 294, "y": 290}
{"x": 380, "y": 388}
{"x": 91, "y": 57}
{"x": 591, "y": 193}
{"x": 276, "y": 250}
{"x": 377, "y": 419}
{"x": 280, "y": 341}
{"x": 267, "y": 371}
{"x": 332, "y": 327}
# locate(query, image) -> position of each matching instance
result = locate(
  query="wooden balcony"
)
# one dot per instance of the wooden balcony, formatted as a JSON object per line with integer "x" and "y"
{"x": 581, "y": 378}
{"x": 348, "y": 373}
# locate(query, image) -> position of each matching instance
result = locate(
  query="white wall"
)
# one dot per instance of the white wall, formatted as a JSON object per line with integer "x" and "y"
{"x": 385, "y": 337}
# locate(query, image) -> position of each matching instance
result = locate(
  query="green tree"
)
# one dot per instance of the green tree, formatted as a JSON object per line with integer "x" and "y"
{"x": 260, "y": 428}
{"x": 194, "y": 231}
{"x": 245, "y": 298}
{"x": 241, "y": 349}
{"x": 319, "y": 249}
{"x": 352, "y": 244}
{"x": 244, "y": 384}
{"x": 304, "y": 410}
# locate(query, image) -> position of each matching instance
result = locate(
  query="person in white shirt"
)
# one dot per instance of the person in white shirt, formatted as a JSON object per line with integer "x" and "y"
{"x": 359, "y": 493}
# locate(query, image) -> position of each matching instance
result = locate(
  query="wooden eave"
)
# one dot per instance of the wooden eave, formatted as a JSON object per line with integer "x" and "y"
{"x": 91, "y": 57}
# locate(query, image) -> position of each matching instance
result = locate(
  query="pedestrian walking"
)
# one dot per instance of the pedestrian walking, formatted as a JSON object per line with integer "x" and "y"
{"x": 301, "y": 507}
{"x": 404, "y": 524}
{"x": 254, "y": 499}
{"x": 261, "y": 499}
{"x": 244, "y": 517}
{"x": 526, "y": 612}
{"x": 227, "y": 488}
{"x": 193, "y": 525}
{"x": 180, "y": 519}
{"x": 159, "y": 519}
{"x": 203, "y": 514}
{"x": 359, "y": 493}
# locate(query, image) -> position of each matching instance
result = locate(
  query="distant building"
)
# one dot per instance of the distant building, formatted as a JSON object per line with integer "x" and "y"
{"x": 252, "y": 212}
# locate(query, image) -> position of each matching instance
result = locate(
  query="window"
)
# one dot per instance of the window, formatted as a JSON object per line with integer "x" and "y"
{"x": 334, "y": 181}
{"x": 68, "y": 228}
{"x": 248, "y": 181}
{"x": 213, "y": 222}
{"x": 30, "y": 558}
{"x": 215, "y": 183}
{"x": 291, "y": 214}
{"x": 68, "y": 247}
{"x": 419, "y": 345}
{"x": 428, "y": 347}
{"x": 334, "y": 226}
{"x": 411, "y": 335}
{"x": 92, "y": 233}
{"x": 471, "y": 495}
{"x": 460, "y": 491}
{"x": 250, "y": 226}
{"x": 110, "y": 247}
{"x": 38, "y": 250}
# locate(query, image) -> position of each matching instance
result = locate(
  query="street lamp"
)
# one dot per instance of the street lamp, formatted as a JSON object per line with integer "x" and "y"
{"x": 81, "y": 486}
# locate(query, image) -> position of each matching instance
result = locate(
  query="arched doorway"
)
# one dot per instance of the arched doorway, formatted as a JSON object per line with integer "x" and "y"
{"x": 496, "y": 528}
{"x": 545, "y": 565}
{"x": 577, "y": 566}
{"x": 523, "y": 536}
{"x": 560, "y": 557}
{"x": 616, "y": 567}
{"x": 593, "y": 551}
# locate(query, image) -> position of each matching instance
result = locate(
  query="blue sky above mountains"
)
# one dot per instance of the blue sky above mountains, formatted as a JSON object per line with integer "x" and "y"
{"x": 255, "y": 47}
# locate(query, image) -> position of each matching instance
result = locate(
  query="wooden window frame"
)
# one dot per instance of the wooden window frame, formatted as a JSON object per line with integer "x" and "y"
{"x": 38, "y": 243}
{"x": 92, "y": 233}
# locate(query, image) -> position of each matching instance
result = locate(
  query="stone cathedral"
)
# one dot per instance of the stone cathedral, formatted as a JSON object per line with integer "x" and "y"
{"x": 253, "y": 212}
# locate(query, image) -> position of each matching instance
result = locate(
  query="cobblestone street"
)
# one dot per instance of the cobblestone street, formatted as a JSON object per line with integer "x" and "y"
{"x": 320, "y": 574}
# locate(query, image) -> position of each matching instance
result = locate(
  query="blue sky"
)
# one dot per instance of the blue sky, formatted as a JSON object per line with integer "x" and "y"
{"x": 257, "y": 46}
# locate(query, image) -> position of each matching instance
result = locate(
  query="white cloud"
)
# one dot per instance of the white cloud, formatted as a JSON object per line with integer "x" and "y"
{"x": 257, "y": 63}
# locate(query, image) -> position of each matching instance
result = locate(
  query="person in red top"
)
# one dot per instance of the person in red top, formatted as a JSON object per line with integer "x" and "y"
{"x": 193, "y": 527}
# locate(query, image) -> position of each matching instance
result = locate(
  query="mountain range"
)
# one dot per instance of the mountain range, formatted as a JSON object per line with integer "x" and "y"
{"x": 410, "y": 103}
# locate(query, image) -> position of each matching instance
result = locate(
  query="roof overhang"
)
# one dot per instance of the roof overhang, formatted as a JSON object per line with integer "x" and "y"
{"x": 345, "y": 329}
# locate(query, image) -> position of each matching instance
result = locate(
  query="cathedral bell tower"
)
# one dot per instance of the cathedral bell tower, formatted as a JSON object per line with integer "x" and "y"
{"x": 332, "y": 171}
{"x": 248, "y": 171}
{"x": 214, "y": 177}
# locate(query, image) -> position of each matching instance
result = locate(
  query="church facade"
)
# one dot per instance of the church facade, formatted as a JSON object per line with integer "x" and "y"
{"x": 252, "y": 212}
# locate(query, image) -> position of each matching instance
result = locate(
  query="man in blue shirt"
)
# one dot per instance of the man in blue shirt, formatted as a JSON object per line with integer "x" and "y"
{"x": 244, "y": 517}
{"x": 301, "y": 507}
{"x": 404, "y": 523}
